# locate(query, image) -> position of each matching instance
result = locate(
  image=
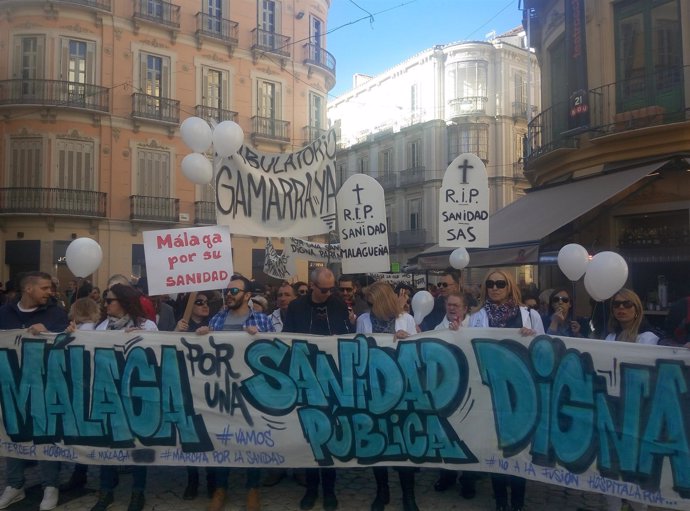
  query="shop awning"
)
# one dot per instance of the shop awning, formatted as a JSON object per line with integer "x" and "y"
{"x": 516, "y": 231}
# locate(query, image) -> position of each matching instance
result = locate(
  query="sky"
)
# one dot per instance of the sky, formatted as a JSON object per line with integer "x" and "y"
{"x": 371, "y": 36}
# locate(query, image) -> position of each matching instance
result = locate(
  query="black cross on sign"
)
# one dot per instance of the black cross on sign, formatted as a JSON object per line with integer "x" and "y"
{"x": 358, "y": 189}
{"x": 464, "y": 167}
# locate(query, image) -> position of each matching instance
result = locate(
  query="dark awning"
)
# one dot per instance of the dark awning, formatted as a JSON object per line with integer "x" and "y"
{"x": 516, "y": 231}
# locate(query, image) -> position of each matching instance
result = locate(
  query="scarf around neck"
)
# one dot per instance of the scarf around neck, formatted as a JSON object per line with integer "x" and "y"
{"x": 500, "y": 314}
{"x": 119, "y": 323}
{"x": 382, "y": 326}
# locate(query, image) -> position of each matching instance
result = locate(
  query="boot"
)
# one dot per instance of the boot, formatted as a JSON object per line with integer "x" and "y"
{"x": 383, "y": 497}
{"x": 192, "y": 489}
{"x": 218, "y": 501}
{"x": 253, "y": 500}
{"x": 408, "y": 501}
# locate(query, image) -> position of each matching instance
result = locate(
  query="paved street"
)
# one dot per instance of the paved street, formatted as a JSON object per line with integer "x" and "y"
{"x": 355, "y": 489}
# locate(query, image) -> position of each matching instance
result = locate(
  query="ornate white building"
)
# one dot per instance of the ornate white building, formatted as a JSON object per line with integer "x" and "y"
{"x": 403, "y": 127}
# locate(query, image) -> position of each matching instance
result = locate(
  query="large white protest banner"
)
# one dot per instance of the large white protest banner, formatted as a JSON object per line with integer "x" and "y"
{"x": 464, "y": 204}
{"x": 189, "y": 259}
{"x": 580, "y": 413}
{"x": 296, "y": 248}
{"x": 416, "y": 280}
{"x": 362, "y": 225}
{"x": 278, "y": 194}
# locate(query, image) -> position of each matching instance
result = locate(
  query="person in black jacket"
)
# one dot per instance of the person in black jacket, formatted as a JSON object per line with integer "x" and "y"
{"x": 37, "y": 313}
{"x": 448, "y": 283}
{"x": 319, "y": 312}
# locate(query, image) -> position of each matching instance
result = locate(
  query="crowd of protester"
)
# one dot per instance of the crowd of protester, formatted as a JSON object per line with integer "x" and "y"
{"x": 324, "y": 306}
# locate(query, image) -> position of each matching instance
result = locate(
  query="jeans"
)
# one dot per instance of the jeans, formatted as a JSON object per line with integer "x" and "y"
{"x": 50, "y": 472}
{"x": 109, "y": 477}
{"x": 327, "y": 477}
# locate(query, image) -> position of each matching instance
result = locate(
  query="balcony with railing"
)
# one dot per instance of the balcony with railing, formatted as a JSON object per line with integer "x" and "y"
{"x": 154, "y": 209}
{"x": 412, "y": 238}
{"x": 619, "y": 107}
{"x": 217, "y": 114}
{"x": 317, "y": 57}
{"x": 157, "y": 12}
{"x": 216, "y": 29}
{"x": 204, "y": 213}
{"x": 470, "y": 105}
{"x": 264, "y": 41}
{"x": 273, "y": 130}
{"x": 413, "y": 176}
{"x": 388, "y": 180}
{"x": 155, "y": 109}
{"x": 521, "y": 110}
{"x": 311, "y": 133}
{"x": 52, "y": 202}
{"x": 54, "y": 93}
{"x": 96, "y": 5}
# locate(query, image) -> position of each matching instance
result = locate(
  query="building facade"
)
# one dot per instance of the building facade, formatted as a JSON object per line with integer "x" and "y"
{"x": 611, "y": 146}
{"x": 92, "y": 93}
{"x": 403, "y": 127}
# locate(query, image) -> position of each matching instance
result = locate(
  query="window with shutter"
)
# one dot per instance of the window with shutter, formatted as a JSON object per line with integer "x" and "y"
{"x": 26, "y": 162}
{"x": 75, "y": 165}
{"x": 153, "y": 173}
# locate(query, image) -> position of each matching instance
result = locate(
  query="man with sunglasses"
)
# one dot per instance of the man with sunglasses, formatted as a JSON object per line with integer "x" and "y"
{"x": 237, "y": 316}
{"x": 319, "y": 312}
{"x": 349, "y": 290}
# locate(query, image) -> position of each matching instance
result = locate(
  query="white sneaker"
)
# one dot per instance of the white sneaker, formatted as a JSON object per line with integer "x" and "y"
{"x": 50, "y": 498}
{"x": 10, "y": 496}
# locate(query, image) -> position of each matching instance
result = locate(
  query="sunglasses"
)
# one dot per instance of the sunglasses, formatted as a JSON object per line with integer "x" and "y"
{"x": 200, "y": 302}
{"x": 563, "y": 299}
{"x": 325, "y": 290}
{"x": 442, "y": 284}
{"x": 234, "y": 291}
{"x": 626, "y": 304}
{"x": 500, "y": 284}
{"x": 110, "y": 300}
{"x": 347, "y": 289}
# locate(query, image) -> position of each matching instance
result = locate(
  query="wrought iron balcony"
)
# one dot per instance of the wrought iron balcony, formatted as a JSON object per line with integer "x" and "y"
{"x": 412, "y": 238}
{"x": 311, "y": 133}
{"x": 270, "y": 129}
{"x": 270, "y": 42}
{"x": 315, "y": 55}
{"x": 52, "y": 201}
{"x": 154, "y": 209}
{"x": 155, "y": 108}
{"x": 469, "y": 105}
{"x": 388, "y": 180}
{"x": 412, "y": 176}
{"x": 217, "y": 114}
{"x": 520, "y": 110}
{"x": 215, "y": 28}
{"x": 54, "y": 93}
{"x": 632, "y": 104}
{"x": 205, "y": 213}
{"x": 157, "y": 12}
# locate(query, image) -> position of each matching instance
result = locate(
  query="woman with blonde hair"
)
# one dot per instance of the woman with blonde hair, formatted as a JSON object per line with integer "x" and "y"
{"x": 500, "y": 307}
{"x": 627, "y": 324}
{"x": 386, "y": 316}
{"x": 85, "y": 314}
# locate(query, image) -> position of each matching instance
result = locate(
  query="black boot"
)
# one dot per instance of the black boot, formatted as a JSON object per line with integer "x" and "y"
{"x": 383, "y": 497}
{"x": 192, "y": 489}
{"x": 408, "y": 501}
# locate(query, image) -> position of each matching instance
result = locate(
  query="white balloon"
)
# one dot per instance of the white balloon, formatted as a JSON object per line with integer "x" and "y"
{"x": 422, "y": 305}
{"x": 197, "y": 134}
{"x": 197, "y": 168}
{"x": 573, "y": 260}
{"x": 606, "y": 275}
{"x": 459, "y": 258}
{"x": 228, "y": 137}
{"x": 83, "y": 256}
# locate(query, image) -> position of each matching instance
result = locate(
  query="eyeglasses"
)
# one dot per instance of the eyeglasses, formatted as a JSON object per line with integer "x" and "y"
{"x": 325, "y": 290}
{"x": 234, "y": 291}
{"x": 346, "y": 289}
{"x": 626, "y": 304}
{"x": 110, "y": 300}
{"x": 200, "y": 302}
{"x": 442, "y": 284}
{"x": 500, "y": 284}
{"x": 557, "y": 299}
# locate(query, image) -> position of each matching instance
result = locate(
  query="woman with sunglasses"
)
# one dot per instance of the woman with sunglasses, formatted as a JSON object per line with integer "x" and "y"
{"x": 560, "y": 319}
{"x": 124, "y": 311}
{"x": 627, "y": 324}
{"x": 386, "y": 316}
{"x": 500, "y": 307}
